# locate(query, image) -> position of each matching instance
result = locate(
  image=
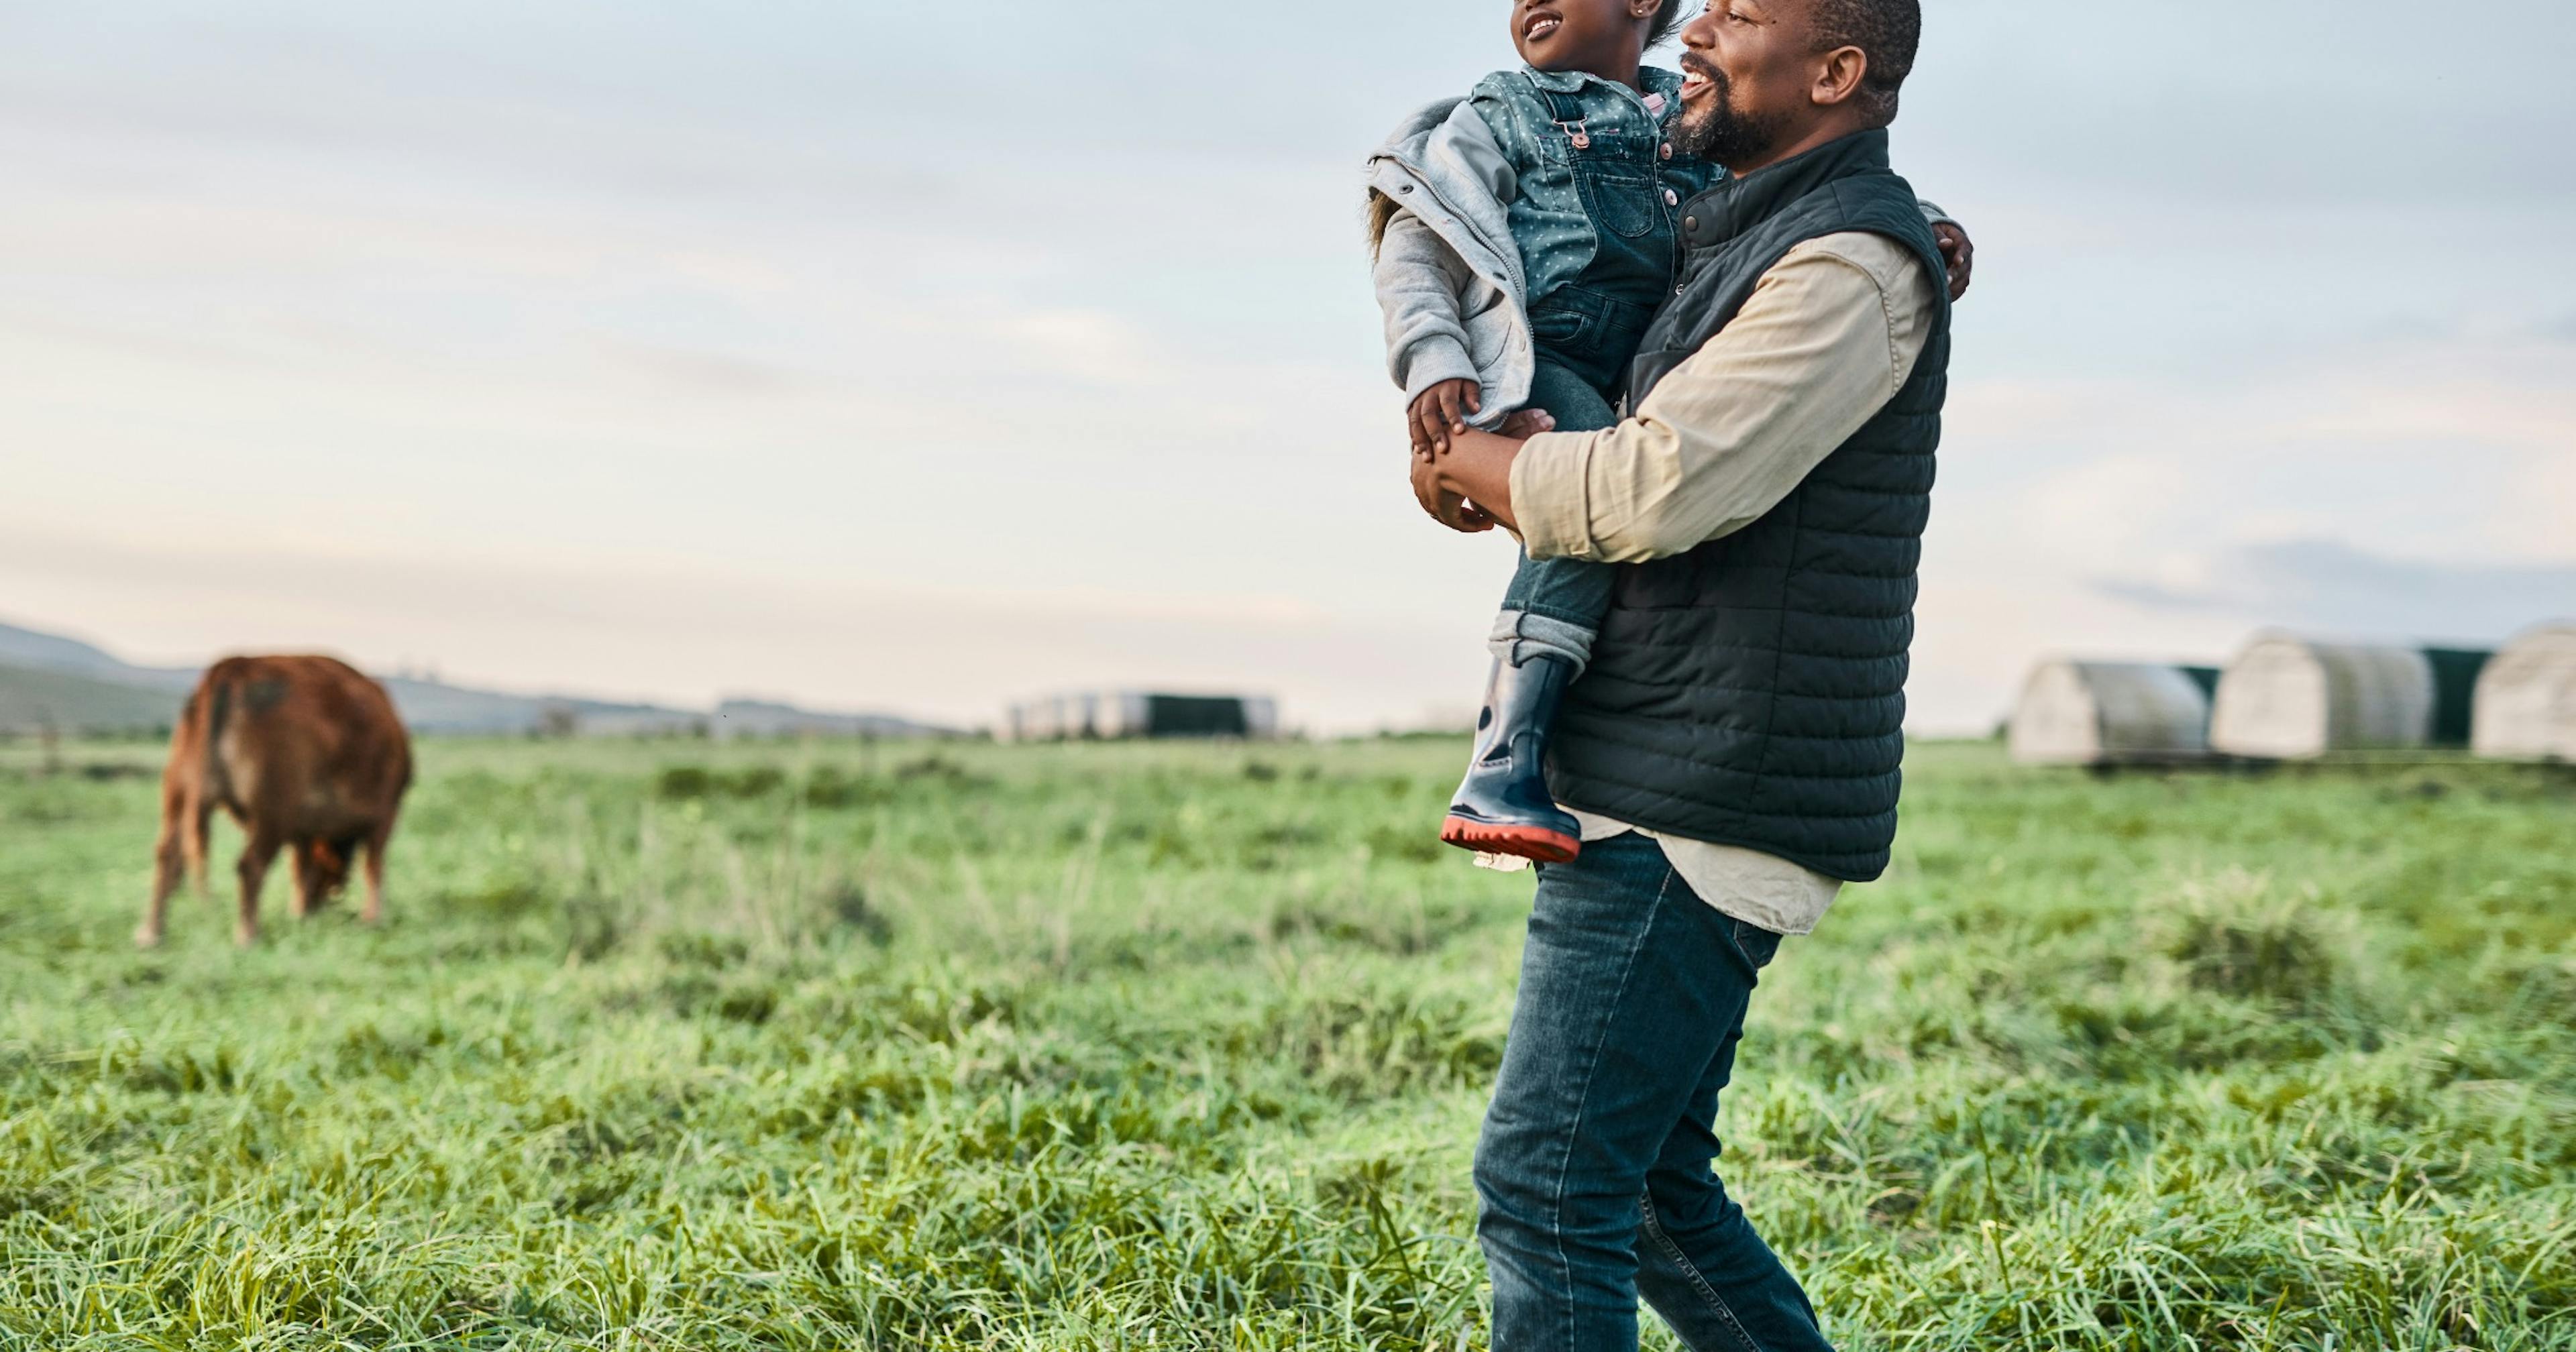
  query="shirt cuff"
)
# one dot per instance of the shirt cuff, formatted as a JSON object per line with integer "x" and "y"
{"x": 1549, "y": 502}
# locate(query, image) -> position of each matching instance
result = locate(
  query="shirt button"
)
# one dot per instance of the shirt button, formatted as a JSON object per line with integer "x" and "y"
{"x": 1666, "y": 151}
{"x": 1690, "y": 222}
{"x": 1671, "y": 198}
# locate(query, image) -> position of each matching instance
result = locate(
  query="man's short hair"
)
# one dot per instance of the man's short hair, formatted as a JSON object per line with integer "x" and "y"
{"x": 1889, "y": 31}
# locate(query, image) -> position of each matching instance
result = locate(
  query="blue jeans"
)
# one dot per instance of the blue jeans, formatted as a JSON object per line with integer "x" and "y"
{"x": 1594, "y": 1169}
{"x": 1554, "y": 606}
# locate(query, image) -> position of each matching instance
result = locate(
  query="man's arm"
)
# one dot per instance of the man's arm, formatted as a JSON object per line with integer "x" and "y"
{"x": 1826, "y": 340}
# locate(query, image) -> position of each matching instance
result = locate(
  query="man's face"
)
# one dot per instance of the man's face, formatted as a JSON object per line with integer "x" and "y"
{"x": 1748, "y": 68}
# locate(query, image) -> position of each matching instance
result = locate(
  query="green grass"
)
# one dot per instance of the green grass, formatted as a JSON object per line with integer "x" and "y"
{"x": 679, "y": 1046}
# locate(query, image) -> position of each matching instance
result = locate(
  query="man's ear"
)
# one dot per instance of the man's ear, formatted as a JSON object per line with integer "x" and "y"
{"x": 1839, "y": 76}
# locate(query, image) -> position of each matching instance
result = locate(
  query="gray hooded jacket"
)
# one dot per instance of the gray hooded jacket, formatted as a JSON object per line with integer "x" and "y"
{"x": 1448, "y": 274}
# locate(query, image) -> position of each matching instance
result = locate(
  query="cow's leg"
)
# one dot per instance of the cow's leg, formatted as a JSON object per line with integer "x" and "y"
{"x": 169, "y": 860}
{"x": 374, "y": 913}
{"x": 193, "y": 839}
{"x": 256, "y": 857}
{"x": 308, "y": 876}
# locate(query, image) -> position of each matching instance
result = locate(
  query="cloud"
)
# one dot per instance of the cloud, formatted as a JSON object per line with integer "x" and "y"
{"x": 1087, "y": 345}
{"x": 708, "y": 371}
{"x": 2329, "y": 587}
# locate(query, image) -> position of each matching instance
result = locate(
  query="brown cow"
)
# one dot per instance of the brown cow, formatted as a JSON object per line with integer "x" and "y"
{"x": 305, "y": 753}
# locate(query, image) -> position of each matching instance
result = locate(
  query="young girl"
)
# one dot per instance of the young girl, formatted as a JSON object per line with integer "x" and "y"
{"x": 1524, "y": 237}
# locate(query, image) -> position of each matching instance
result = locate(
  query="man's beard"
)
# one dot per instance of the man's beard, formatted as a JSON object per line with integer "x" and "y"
{"x": 1713, "y": 129}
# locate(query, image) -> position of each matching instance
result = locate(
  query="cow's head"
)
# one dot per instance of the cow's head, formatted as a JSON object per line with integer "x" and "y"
{"x": 327, "y": 864}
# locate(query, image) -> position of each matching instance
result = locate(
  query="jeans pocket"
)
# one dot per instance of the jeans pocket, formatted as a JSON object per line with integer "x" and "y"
{"x": 1760, "y": 945}
{"x": 1620, "y": 198}
{"x": 1555, "y": 326}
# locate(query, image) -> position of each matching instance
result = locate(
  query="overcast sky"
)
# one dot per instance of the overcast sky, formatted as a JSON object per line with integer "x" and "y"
{"x": 918, "y": 356}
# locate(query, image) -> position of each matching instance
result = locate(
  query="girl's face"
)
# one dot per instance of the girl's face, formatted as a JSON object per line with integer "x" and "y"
{"x": 1587, "y": 35}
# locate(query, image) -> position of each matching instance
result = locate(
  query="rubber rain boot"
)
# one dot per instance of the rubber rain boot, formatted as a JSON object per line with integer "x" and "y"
{"x": 1504, "y": 806}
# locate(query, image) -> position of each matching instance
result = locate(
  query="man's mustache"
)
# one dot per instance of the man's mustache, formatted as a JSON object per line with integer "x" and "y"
{"x": 1699, "y": 65}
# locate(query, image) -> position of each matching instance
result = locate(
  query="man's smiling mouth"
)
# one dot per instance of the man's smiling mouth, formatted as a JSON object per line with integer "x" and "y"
{"x": 1539, "y": 25}
{"x": 1695, "y": 81}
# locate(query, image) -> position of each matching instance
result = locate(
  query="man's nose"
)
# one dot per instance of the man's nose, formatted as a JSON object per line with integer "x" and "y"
{"x": 1701, "y": 32}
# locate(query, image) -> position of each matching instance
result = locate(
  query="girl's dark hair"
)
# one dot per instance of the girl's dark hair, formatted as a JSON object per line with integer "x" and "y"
{"x": 1669, "y": 20}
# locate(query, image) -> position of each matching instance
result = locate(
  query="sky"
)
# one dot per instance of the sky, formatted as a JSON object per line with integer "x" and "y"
{"x": 920, "y": 357}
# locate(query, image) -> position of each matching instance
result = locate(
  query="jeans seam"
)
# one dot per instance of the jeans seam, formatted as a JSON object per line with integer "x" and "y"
{"x": 1583, "y": 1100}
{"x": 1698, "y": 1279}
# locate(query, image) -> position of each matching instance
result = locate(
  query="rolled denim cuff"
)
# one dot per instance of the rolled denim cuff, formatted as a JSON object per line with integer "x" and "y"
{"x": 1519, "y": 636}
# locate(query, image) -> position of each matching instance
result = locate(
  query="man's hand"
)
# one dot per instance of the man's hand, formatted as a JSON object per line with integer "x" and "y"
{"x": 1478, "y": 467}
{"x": 1445, "y": 507}
{"x": 1442, "y": 410}
{"x": 1959, "y": 252}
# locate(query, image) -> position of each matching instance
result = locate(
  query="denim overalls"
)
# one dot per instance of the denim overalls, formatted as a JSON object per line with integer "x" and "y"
{"x": 1587, "y": 330}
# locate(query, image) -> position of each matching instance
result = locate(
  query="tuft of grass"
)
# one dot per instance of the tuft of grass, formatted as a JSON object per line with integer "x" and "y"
{"x": 1117, "y": 1046}
{"x": 2240, "y": 937}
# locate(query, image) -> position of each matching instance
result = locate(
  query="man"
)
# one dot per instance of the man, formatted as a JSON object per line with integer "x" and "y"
{"x": 1733, "y": 751}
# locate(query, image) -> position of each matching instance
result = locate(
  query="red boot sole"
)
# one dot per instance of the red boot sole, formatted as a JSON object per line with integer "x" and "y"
{"x": 1528, "y": 842}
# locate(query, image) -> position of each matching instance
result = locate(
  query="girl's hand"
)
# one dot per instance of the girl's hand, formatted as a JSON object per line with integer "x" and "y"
{"x": 1442, "y": 410}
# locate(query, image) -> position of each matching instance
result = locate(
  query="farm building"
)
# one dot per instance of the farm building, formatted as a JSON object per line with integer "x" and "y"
{"x": 2109, "y": 713}
{"x": 1126, "y": 715}
{"x": 2526, "y": 708}
{"x": 2292, "y": 698}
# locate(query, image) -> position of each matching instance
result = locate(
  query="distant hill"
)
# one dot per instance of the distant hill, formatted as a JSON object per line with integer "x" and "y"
{"x": 50, "y": 680}
{"x": 26, "y": 648}
{"x": 32, "y": 699}
{"x": 436, "y": 707}
{"x": 763, "y": 718}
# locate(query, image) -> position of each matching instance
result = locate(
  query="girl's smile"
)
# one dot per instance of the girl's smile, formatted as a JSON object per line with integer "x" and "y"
{"x": 1605, "y": 38}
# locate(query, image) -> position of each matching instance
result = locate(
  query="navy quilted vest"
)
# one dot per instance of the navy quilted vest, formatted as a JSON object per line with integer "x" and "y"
{"x": 1751, "y": 692}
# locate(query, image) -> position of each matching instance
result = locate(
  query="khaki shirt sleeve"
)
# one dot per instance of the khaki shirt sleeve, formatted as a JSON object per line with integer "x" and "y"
{"x": 1829, "y": 335}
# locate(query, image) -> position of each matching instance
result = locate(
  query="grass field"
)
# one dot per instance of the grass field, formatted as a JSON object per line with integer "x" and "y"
{"x": 680, "y": 1046}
